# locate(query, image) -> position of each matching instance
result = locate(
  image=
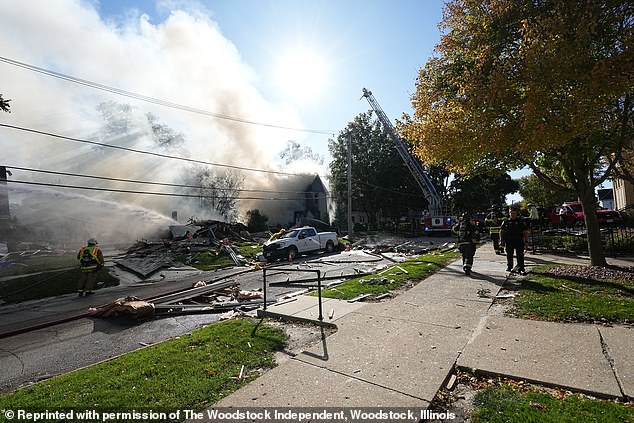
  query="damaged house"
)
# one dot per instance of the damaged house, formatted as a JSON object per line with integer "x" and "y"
{"x": 305, "y": 199}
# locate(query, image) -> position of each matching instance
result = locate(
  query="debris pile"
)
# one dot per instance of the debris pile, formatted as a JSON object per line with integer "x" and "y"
{"x": 414, "y": 247}
{"x": 128, "y": 306}
{"x": 203, "y": 297}
{"x": 183, "y": 244}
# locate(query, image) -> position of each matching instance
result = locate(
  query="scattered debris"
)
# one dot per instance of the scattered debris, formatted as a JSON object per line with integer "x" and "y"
{"x": 249, "y": 295}
{"x": 204, "y": 297}
{"x": 128, "y": 306}
{"x": 358, "y": 298}
{"x": 288, "y": 300}
{"x": 378, "y": 281}
{"x": 451, "y": 382}
{"x": 484, "y": 293}
{"x": 189, "y": 241}
{"x": 241, "y": 376}
{"x": 382, "y": 296}
{"x": 229, "y": 315}
{"x": 402, "y": 270}
{"x": 572, "y": 289}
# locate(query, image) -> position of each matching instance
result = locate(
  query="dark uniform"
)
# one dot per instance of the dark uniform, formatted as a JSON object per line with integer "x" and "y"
{"x": 468, "y": 237}
{"x": 514, "y": 235}
{"x": 494, "y": 223}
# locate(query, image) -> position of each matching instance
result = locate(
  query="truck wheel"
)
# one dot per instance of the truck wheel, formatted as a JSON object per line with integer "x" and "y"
{"x": 330, "y": 247}
{"x": 291, "y": 253}
{"x": 579, "y": 224}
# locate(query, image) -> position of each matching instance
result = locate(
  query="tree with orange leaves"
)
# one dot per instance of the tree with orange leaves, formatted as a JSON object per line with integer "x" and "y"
{"x": 538, "y": 83}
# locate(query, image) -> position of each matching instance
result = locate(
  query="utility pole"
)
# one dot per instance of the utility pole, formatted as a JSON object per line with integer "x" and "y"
{"x": 5, "y": 213}
{"x": 350, "y": 186}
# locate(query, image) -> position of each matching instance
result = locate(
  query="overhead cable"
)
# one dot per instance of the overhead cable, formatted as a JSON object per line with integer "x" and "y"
{"x": 165, "y": 194}
{"x": 134, "y": 150}
{"x": 153, "y": 100}
{"x": 106, "y": 178}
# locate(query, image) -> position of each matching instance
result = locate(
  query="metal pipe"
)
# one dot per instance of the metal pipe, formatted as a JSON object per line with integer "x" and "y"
{"x": 264, "y": 287}
{"x": 321, "y": 316}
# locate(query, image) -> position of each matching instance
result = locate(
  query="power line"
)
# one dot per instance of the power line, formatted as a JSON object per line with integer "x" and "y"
{"x": 106, "y": 178}
{"x": 406, "y": 194}
{"x": 165, "y": 194}
{"x": 153, "y": 100}
{"x": 134, "y": 150}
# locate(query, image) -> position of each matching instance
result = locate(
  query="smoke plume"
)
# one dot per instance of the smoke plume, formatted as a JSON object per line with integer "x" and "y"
{"x": 184, "y": 59}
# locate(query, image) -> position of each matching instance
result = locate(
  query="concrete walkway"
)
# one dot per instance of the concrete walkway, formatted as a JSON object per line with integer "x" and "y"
{"x": 400, "y": 352}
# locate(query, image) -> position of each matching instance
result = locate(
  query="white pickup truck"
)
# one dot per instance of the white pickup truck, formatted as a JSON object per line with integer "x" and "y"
{"x": 298, "y": 241}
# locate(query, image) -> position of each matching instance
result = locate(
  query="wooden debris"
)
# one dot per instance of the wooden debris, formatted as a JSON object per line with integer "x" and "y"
{"x": 358, "y": 298}
{"x": 451, "y": 382}
{"x": 572, "y": 289}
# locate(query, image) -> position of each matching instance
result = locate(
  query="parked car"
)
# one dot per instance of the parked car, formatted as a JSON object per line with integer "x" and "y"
{"x": 298, "y": 241}
{"x": 572, "y": 215}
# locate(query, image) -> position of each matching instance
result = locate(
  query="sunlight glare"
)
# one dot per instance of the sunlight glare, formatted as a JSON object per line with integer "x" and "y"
{"x": 301, "y": 75}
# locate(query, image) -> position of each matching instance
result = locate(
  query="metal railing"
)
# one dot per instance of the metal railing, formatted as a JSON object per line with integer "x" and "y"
{"x": 285, "y": 269}
{"x": 617, "y": 240}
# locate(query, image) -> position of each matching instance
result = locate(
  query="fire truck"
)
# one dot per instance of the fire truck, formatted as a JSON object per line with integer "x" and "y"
{"x": 437, "y": 219}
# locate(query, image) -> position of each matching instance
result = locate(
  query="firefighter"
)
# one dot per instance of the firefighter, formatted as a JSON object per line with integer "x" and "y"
{"x": 514, "y": 236}
{"x": 90, "y": 262}
{"x": 493, "y": 222}
{"x": 468, "y": 237}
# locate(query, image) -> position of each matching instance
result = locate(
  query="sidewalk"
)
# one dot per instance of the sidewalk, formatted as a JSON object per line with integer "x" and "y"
{"x": 400, "y": 352}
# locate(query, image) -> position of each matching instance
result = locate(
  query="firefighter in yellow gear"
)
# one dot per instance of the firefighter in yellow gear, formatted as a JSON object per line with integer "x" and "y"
{"x": 493, "y": 222}
{"x": 90, "y": 262}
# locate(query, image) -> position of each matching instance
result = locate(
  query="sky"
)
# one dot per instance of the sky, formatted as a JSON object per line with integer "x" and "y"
{"x": 312, "y": 58}
{"x": 292, "y": 70}
{"x": 299, "y": 64}
{"x": 255, "y": 84}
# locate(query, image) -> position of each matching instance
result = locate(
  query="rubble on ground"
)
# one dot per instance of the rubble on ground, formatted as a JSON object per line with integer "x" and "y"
{"x": 203, "y": 297}
{"x": 184, "y": 241}
{"x": 414, "y": 247}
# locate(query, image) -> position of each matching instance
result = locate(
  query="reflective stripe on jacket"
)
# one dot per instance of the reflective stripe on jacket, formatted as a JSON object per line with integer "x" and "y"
{"x": 94, "y": 263}
{"x": 494, "y": 227}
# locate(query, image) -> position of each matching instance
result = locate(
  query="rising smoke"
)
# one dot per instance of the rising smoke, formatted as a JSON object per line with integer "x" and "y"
{"x": 184, "y": 59}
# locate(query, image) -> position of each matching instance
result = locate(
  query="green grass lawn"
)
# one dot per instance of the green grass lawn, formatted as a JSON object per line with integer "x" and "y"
{"x": 417, "y": 268}
{"x": 49, "y": 284}
{"x": 38, "y": 263}
{"x": 562, "y": 298}
{"x": 210, "y": 260}
{"x": 249, "y": 251}
{"x": 189, "y": 372}
{"x": 504, "y": 404}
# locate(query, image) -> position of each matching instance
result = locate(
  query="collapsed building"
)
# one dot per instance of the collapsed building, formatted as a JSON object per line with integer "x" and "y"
{"x": 304, "y": 198}
{"x": 183, "y": 242}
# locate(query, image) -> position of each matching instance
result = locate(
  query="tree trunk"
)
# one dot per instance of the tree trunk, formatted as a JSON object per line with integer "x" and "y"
{"x": 595, "y": 248}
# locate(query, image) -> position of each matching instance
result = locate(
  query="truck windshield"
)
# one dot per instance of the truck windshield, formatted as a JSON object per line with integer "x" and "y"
{"x": 290, "y": 234}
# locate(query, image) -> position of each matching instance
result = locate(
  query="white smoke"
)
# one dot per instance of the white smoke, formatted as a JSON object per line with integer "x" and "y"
{"x": 185, "y": 59}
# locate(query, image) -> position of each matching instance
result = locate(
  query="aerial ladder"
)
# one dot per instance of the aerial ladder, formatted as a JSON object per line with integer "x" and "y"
{"x": 437, "y": 220}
